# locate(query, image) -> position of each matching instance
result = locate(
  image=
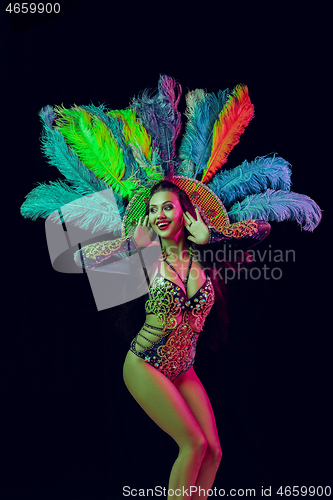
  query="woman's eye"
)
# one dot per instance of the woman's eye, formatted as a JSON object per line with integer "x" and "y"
{"x": 152, "y": 210}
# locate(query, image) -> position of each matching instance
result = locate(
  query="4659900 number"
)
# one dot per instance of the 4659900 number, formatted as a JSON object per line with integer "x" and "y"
{"x": 310, "y": 491}
{"x": 32, "y": 8}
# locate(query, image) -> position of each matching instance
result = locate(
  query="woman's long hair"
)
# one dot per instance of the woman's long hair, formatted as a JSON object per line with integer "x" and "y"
{"x": 217, "y": 321}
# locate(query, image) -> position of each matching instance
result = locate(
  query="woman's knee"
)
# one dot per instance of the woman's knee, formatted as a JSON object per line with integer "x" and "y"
{"x": 195, "y": 445}
{"x": 213, "y": 452}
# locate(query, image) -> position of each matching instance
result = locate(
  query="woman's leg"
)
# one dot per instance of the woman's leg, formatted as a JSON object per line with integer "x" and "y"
{"x": 162, "y": 401}
{"x": 196, "y": 397}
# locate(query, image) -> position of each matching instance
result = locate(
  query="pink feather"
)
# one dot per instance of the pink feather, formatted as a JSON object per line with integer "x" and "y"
{"x": 235, "y": 115}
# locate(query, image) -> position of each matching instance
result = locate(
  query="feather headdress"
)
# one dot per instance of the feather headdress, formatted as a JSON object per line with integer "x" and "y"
{"x": 108, "y": 157}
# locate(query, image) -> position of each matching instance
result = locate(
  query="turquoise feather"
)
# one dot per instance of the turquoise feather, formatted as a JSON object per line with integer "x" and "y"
{"x": 92, "y": 212}
{"x": 202, "y": 112}
{"x": 251, "y": 178}
{"x": 278, "y": 206}
{"x": 46, "y": 198}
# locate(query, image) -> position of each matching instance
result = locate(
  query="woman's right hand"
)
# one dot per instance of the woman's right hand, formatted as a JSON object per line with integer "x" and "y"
{"x": 143, "y": 233}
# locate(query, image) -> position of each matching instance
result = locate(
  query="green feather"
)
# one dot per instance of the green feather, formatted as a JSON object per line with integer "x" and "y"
{"x": 139, "y": 141}
{"x": 95, "y": 147}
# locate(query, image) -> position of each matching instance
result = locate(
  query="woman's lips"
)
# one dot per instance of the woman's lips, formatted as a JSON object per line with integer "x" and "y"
{"x": 162, "y": 225}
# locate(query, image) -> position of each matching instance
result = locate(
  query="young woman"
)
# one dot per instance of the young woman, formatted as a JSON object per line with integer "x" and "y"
{"x": 176, "y": 400}
{"x": 158, "y": 369}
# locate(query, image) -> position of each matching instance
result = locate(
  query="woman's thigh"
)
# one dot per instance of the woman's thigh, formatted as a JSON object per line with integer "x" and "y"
{"x": 194, "y": 393}
{"x": 162, "y": 401}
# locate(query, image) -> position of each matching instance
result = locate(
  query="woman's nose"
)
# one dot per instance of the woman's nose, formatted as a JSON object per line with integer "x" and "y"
{"x": 160, "y": 214}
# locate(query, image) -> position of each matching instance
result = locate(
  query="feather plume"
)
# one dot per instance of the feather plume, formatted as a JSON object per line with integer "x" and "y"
{"x": 137, "y": 139}
{"x": 46, "y": 198}
{"x": 47, "y": 115}
{"x": 115, "y": 126}
{"x": 202, "y": 111}
{"x": 61, "y": 156}
{"x": 134, "y": 132}
{"x": 251, "y": 178}
{"x": 93, "y": 212}
{"x": 96, "y": 147}
{"x": 278, "y": 206}
{"x": 160, "y": 116}
{"x": 233, "y": 119}
{"x": 140, "y": 160}
{"x": 193, "y": 98}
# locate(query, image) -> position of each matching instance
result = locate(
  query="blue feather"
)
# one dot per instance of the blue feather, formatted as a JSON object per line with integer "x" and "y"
{"x": 202, "y": 112}
{"x": 93, "y": 212}
{"x": 251, "y": 178}
{"x": 278, "y": 206}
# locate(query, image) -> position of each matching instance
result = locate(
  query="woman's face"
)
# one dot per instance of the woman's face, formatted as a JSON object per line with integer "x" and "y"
{"x": 166, "y": 214}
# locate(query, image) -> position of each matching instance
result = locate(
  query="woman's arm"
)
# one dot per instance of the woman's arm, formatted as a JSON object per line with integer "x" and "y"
{"x": 251, "y": 232}
{"x": 97, "y": 254}
{"x": 93, "y": 255}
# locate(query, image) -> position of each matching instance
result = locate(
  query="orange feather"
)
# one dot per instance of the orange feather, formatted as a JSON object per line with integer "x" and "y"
{"x": 235, "y": 115}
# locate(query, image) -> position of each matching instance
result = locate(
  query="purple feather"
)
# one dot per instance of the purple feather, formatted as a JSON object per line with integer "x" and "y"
{"x": 160, "y": 116}
{"x": 48, "y": 115}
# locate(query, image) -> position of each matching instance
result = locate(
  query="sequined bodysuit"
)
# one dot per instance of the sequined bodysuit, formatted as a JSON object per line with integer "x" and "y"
{"x": 171, "y": 348}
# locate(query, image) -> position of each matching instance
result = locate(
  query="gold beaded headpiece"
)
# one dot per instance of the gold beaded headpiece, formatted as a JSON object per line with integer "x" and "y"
{"x": 209, "y": 205}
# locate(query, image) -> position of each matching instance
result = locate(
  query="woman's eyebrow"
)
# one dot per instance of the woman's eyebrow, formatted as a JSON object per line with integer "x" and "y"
{"x": 164, "y": 202}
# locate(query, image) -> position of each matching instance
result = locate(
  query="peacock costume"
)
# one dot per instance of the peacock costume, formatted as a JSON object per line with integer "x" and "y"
{"x": 111, "y": 159}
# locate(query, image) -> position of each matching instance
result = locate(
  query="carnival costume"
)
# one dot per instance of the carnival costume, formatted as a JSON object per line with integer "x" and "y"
{"x": 125, "y": 153}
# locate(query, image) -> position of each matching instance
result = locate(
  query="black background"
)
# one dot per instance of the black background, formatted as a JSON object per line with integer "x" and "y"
{"x": 70, "y": 428}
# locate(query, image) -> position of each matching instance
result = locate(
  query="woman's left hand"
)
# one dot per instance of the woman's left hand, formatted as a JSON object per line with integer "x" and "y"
{"x": 197, "y": 228}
